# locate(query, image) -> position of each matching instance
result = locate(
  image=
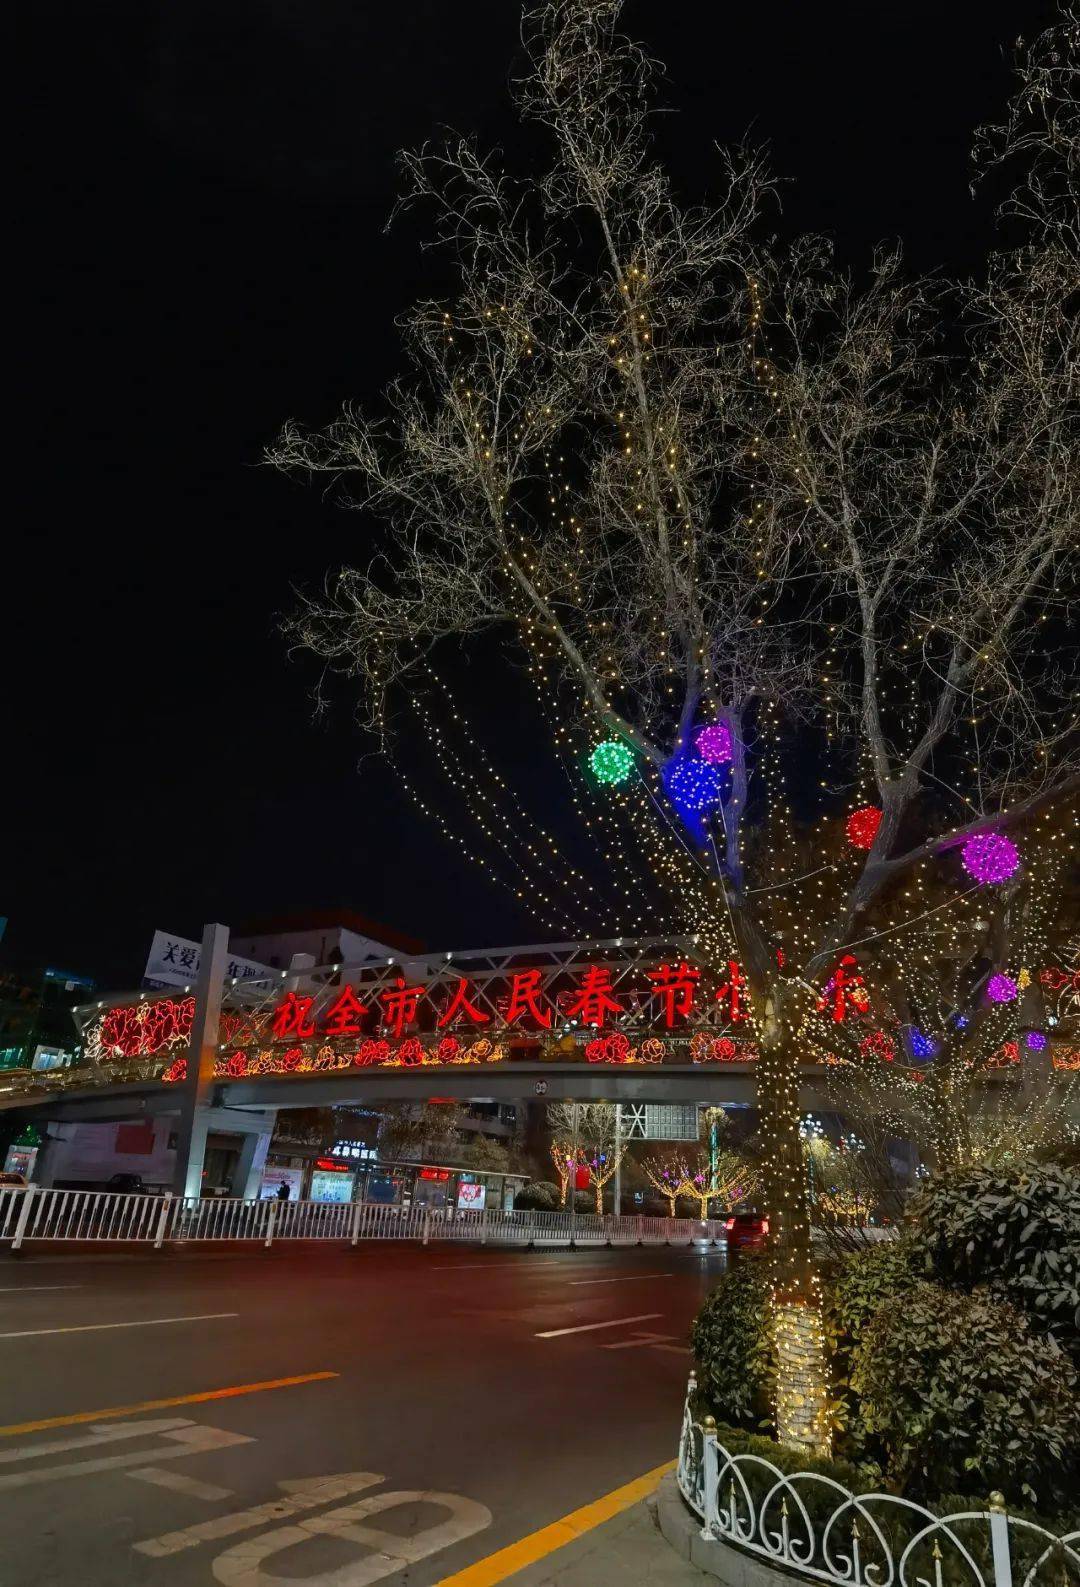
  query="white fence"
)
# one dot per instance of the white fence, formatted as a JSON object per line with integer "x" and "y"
{"x": 96, "y": 1215}
{"x": 812, "y": 1525}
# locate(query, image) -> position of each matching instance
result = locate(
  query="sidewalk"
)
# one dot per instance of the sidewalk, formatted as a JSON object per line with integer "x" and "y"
{"x": 627, "y": 1551}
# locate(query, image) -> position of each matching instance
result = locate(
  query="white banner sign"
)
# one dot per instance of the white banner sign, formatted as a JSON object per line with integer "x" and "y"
{"x": 174, "y": 961}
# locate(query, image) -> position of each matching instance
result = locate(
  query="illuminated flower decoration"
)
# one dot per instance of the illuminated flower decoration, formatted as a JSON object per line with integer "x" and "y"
{"x": 236, "y": 1065}
{"x": 723, "y": 1050}
{"x": 619, "y": 1049}
{"x": 713, "y": 743}
{"x": 177, "y": 1070}
{"x": 878, "y": 1045}
{"x": 1001, "y": 989}
{"x": 448, "y": 1049}
{"x": 596, "y": 1051}
{"x": 612, "y": 761}
{"x": 862, "y": 826}
{"x": 410, "y": 1053}
{"x": 373, "y": 1052}
{"x": 480, "y": 1051}
{"x": 651, "y": 1051}
{"x": 1007, "y": 1054}
{"x": 291, "y": 1060}
{"x": 692, "y": 785}
{"x": 922, "y": 1046}
{"x": 699, "y": 1047}
{"x": 1035, "y": 1040}
{"x": 990, "y": 858}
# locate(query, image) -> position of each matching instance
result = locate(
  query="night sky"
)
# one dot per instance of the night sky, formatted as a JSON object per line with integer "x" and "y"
{"x": 201, "y": 254}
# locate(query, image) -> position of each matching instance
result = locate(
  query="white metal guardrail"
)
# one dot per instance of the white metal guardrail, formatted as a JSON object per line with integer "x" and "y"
{"x": 816, "y": 1527}
{"x": 93, "y": 1216}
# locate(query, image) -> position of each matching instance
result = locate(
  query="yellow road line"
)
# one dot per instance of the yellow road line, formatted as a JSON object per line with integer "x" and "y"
{"x": 527, "y": 1550}
{"x": 161, "y": 1405}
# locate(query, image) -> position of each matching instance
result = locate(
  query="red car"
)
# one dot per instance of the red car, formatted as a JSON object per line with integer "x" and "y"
{"x": 746, "y": 1231}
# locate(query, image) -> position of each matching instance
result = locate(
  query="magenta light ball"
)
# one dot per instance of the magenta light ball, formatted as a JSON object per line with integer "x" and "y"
{"x": 1035, "y": 1040}
{"x": 713, "y": 743}
{"x": 990, "y": 857}
{"x": 1001, "y": 989}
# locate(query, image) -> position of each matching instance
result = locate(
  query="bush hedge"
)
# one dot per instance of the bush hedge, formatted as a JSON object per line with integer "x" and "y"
{"x": 736, "y": 1364}
{"x": 1014, "y": 1227}
{"x": 967, "y": 1397}
{"x": 539, "y": 1195}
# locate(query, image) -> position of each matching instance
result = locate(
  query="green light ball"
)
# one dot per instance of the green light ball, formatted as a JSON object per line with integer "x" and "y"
{"x": 612, "y": 761}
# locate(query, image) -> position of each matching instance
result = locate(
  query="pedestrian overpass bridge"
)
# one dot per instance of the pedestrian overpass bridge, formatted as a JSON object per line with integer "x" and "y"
{"x": 645, "y": 1020}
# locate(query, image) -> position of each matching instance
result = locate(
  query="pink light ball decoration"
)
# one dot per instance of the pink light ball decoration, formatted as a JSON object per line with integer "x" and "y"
{"x": 990, "y": 858}
{"x": 713, "y": 743}
{"x": 862, "y": 826}
{"x": 1001, "y": 989}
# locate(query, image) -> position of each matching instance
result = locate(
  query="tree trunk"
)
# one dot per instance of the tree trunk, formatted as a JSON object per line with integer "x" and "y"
{"x": 798, "y": 1333}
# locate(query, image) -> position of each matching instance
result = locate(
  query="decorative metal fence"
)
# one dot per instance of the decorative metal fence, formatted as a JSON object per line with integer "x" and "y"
{"x": 808, "y": 1523}
{"x": 93, "y": 1216}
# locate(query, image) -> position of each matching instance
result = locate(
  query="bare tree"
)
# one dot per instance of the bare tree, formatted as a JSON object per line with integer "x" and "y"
{"x": 416, "y": 1129}
{"x": 583, "y": 1135}
{"x": 703, "y": 480}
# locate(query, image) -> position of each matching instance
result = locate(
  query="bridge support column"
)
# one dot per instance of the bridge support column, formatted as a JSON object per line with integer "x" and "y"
{"x": 247, "y": 1179}
{"x": 195, "y": 1092}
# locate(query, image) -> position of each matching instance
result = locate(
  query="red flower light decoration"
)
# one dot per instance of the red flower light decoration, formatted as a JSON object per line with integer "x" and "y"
{"x": 878, "y": 1045}
{"x": 862, "y": 826}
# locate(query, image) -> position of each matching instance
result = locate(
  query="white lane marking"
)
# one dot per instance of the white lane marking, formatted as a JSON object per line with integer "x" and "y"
{"x": 21, "y": 1289}
{"x": 588, "y": 1328}
{"x": 659, "y": 1341}
{"x": 176, "y": 1482}
{"x": 307, "y": 1493}
{"x": 146, "y": 1322}
{"x": 100, "y": 1433}
{"x": 239, "y": 1566}
{"x": 633, "y": 1278}
{"x": 192, "y": 1441}
{"x": 522, "y": 1262}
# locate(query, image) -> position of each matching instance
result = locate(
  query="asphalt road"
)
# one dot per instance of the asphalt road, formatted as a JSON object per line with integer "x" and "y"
{"x": 478, "y": 1375}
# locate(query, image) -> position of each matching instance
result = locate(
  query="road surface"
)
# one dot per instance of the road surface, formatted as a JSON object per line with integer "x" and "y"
{"x": 518, "y": 1386}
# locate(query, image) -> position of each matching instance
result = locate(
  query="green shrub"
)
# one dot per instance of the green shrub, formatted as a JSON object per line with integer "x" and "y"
{"x": 731, "y": 1338}
{"x": 537, "y": 1196}
{"x": 1014, "y": 1227}
{"x": 854, "y": 1291}
{"x": 967, "y": 1398}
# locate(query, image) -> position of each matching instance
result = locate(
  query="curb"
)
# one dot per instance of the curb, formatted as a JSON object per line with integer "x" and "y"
{"x": 682, "y": 1529}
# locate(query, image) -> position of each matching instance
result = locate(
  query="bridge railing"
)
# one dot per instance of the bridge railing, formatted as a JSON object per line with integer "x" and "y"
{"x": 94, "y": 1216}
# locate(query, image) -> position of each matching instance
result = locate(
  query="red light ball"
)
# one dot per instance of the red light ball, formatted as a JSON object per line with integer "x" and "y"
{"x": 862, "y": 826}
